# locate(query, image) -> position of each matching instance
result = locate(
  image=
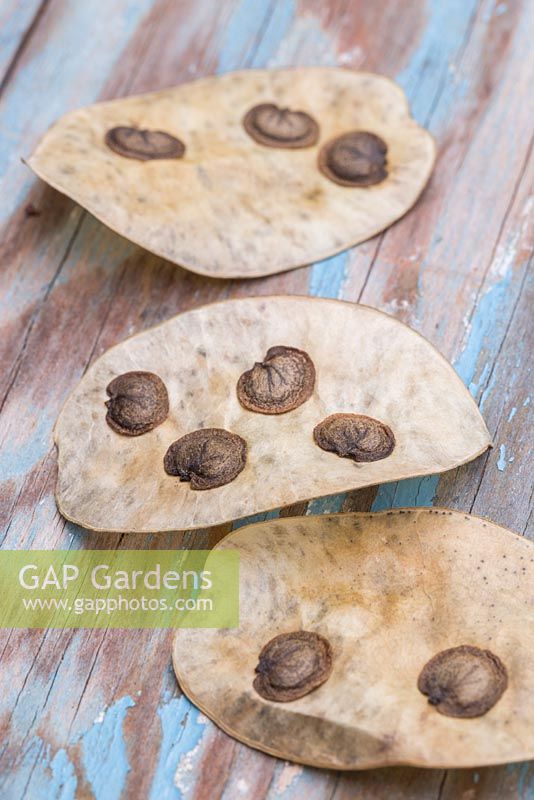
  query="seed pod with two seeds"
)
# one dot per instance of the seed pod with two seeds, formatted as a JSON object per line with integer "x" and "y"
{"x": 368, "y": 640}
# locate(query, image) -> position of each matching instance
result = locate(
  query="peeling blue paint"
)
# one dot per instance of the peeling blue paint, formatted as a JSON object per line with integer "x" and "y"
{"x": 512, "y": 414}
{"x": 326, "y": 505}
{"x": 481, "y": 332}
{"x": 413, "y": 492}
{"x": 253, "y": 33}
{"x": 239, "y": 523}
{"x": 104, "y": 754}
{"x": 328, "y": 276}
{"x": 501, "y": 463}
{"x": 428, "y": 74}
{"x": 17, "y": 457}
{"x": 63, "y": 783}
{"x": 69, "y": 46}
{"x": 181, "y": 732}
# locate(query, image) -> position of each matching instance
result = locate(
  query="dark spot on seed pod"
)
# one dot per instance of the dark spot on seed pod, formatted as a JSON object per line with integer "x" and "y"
{"x": 355, "y": 436}
{"x": 463, "y": 681}
{"x": 144, "y": 145}
{"x": 270, "y": 125}
{"x": 138, "y": 403}
{"x": 292, "y": 665}
{"x": 207, "y": 458}
{"x": 281, "y": 382}
{"x": 357, "y": 158}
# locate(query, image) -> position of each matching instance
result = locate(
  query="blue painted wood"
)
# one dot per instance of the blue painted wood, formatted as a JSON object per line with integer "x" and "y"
{"x": 101, "y": 715}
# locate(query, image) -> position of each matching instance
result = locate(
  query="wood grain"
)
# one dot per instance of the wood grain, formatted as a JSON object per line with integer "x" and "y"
{"x": 98, "y": 713}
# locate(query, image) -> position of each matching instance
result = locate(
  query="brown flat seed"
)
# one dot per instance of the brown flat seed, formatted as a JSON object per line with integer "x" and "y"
{"x": 281, "y": 382}
{"x": 355, "y": 436}
{"x": 208, "y": 458}
{"x": 144, "y": 145}
{"x": 463, "y": 681}
{"x": 357, "y": 158}
{"x": 138, "y": 403}
{"x": 270, "y": 125}
{"x": 292, "y": 665}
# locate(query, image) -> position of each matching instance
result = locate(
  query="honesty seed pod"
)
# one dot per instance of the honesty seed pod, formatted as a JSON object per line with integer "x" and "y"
{"x": 446, "y": 596}
{"x": 282, "y": 167}
{"x": 362, "y": 365}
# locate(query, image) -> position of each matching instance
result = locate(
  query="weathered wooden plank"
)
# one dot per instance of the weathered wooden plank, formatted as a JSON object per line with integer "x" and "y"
{"x": 105, "y": 288}
{"x": 17, "y": 20}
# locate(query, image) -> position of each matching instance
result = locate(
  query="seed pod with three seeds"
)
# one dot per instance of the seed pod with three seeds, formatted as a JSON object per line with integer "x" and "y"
{"x": 282, "y": 167}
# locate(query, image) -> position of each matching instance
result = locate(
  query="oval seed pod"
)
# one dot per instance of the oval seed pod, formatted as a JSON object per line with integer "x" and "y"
{"x": 365, "y": 363}
{"x": 250, "y": 173}
{"x": 407, "y": 601}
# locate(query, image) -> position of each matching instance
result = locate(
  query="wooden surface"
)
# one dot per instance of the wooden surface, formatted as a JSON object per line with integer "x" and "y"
{"x": 93, "y": 713}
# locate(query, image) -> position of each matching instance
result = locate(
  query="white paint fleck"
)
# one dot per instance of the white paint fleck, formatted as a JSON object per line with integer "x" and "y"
{"x": 512, "y": 414}
{"x": 99, "y": 719}
{"x": 527, "y": 402}
{"x": 185, "y": 769}
{"x": 501, "y": 463}
{"x": 506, "y": 253}
{"x": 308, "y": 44}
{"x": 288, "y": 774}
{"x": 242, "y": 786}
{"x": 202, "y": 719}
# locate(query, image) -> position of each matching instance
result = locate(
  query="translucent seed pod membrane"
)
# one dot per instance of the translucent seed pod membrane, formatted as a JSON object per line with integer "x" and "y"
{"x": 248, "y": 173}
{"x": 367, "y": 640}
{"x": 252, "y": 404}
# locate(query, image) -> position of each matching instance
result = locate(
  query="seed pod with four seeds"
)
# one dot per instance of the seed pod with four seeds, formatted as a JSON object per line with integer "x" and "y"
{"x": 363, "y": 364}
{"x": 347, "y": 621}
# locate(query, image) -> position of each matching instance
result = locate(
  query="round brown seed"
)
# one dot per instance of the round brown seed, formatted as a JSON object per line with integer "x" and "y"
{"x": 138, "y": 403}
{"x": 208, "y": 458}
{"x": 144, "y": 145}
{"x": 270, "y": 125}
{"x": 357, "y": 158}
{"x": 355, "y": 436}
{"x": 463, "y": 681}
{"x": 292, "y": 665}
{"x": 281, "y": 382}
